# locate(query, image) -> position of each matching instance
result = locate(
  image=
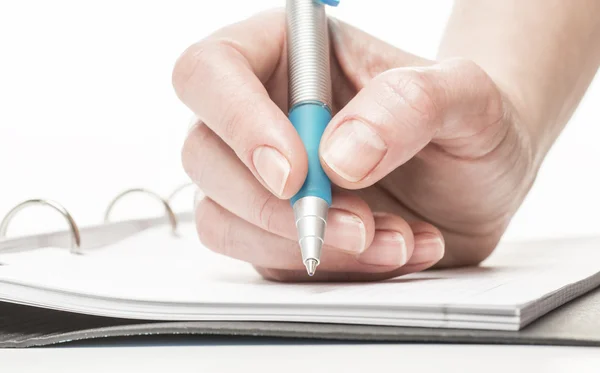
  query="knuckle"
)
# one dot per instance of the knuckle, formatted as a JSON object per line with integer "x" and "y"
{"x": 231, "y": 123}
{"x": 212, "y": 226}
{"x": 493, "y": 104}
{"x": 234, "y": 120}
{"x": 469, "y": 68}
{"x": 196, "y": 58}
{"x": 266, "y": 210}
{"x": 417, "y": 92}
{"x": 262, "y": 210}
{"x": 206, "y": 63}
{"x": 195, "y": 153}
{"x": 205, "y": 225}
{"x": 464, "y": 64}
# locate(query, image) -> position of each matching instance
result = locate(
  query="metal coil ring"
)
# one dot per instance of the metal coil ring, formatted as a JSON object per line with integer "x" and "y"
{"x": 75, "y": 234}
{"x": 168, "y": 210}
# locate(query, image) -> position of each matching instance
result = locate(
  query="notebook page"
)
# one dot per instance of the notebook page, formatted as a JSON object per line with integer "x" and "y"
{"x": 154, "y": 266}
{"x": 150, "y": 266}
{"x": 516, "y": 274}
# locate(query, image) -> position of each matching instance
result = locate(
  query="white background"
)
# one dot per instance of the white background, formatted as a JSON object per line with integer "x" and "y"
{"x": 87, "y": 108}
{"x": 279, "y": 356}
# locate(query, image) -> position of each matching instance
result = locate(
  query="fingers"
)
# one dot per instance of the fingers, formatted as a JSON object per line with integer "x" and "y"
{"x": 392, "y": 247}
{"x": 221, "y": 176}
{"x": 393, "y": 242}
{"x": 221, "y": 79}
{"x": 454, "y": 104}
{"x": 428, "y": 249}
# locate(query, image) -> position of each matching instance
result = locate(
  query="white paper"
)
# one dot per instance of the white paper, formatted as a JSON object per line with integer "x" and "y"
{"x": 165, "y": 273}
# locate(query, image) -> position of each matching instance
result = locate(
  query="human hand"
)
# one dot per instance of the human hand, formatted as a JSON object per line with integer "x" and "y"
{"x": 429, "y": 160}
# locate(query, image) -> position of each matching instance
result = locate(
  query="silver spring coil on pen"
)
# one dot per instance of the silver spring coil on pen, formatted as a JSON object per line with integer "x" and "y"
{"x": 308, "y": 53}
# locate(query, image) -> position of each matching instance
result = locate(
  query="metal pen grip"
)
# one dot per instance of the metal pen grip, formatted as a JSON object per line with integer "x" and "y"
{"x": 308, "y": 53}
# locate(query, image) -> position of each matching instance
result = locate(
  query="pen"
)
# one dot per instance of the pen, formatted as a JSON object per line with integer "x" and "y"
{"x": 310, "y": 103}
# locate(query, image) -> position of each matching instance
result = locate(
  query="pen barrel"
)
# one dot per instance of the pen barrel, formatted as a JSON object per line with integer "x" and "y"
{"x": 310, "y": 96}
{"x": 308, "y": 53}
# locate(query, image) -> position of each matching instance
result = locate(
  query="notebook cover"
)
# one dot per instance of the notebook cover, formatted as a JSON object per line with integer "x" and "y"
{"x": 576, "y": 323}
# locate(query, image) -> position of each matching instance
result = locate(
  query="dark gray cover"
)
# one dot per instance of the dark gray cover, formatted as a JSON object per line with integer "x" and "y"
{"x": 577, "y": 323}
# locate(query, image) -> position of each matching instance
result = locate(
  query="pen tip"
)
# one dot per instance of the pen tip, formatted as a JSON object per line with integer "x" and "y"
{"x": 311, "y": 266}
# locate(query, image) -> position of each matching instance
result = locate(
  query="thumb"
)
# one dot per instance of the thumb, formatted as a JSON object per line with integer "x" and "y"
{"x": 454, "y": 104}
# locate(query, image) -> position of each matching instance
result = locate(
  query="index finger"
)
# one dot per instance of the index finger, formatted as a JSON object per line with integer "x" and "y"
{"x": 222, "y": 80}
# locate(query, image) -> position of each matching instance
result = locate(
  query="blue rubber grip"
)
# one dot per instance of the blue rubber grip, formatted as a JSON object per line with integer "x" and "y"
{"x": 310, "y": 121}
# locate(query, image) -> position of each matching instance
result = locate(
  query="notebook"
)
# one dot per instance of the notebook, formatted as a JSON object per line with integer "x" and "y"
{"x": 141, "y": 270}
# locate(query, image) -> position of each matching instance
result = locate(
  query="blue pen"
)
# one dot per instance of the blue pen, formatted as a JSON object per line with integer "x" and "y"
{"x": 310, "y": 100}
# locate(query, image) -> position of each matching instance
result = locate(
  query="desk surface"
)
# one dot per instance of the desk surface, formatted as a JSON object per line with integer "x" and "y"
{"x": 269, "y": 356}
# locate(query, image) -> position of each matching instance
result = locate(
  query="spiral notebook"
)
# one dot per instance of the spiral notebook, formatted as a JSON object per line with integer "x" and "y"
{"x": 156, "y": 270}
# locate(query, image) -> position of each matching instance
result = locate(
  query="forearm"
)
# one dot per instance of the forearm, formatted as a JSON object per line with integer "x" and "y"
{"x": 543, "y": 54}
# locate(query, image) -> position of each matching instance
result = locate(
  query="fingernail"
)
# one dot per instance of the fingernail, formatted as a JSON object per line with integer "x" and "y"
{"x": 354, "y": 150}
{"x": 429, "y": 247}
{"x": 388, "y": 249}
{"x": 272, "y": 167}
{"x": 345, "y": 231}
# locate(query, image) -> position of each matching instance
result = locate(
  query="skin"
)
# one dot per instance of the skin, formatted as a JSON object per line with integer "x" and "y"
{"x": 430, "y": 159}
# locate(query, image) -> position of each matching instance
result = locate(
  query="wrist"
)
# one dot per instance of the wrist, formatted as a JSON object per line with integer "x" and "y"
{"x": 543, "y": 65}
{"x": 526, "y": 104}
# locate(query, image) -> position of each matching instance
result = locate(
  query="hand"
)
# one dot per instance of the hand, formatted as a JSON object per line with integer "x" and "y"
{"x": 430, "y": 160}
